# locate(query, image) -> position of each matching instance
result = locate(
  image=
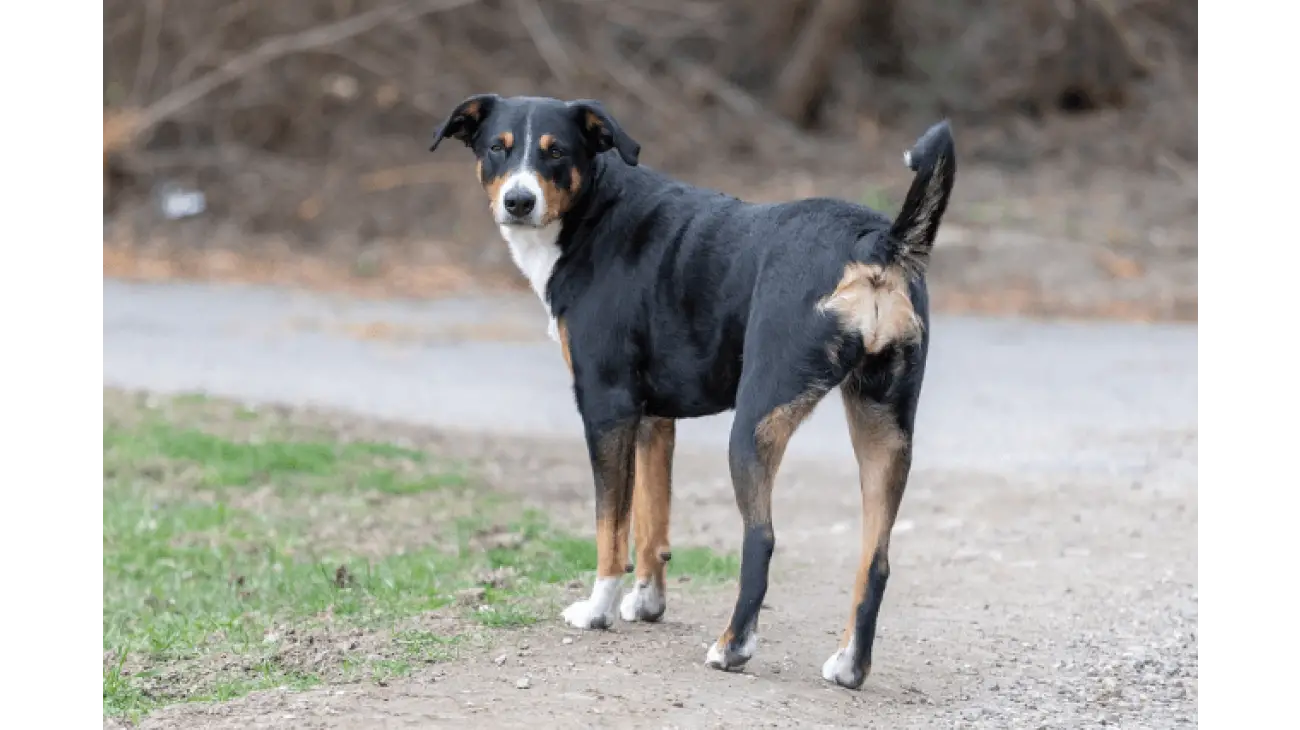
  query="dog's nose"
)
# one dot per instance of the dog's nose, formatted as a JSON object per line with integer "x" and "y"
{"x": 519, "y": 202}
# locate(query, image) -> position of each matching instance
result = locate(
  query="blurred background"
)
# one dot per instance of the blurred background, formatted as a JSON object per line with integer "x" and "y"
{"x": 287, "y": 143}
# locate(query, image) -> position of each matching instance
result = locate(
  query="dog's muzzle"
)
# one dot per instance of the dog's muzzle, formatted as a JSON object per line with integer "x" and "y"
{"x": 521, "y": 202}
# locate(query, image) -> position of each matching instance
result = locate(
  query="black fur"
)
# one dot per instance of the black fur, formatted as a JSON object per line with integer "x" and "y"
{"x": 680, "y": 302}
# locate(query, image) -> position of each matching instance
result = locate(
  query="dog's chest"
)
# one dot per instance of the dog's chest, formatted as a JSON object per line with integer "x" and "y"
{"x": 535, "y": 251}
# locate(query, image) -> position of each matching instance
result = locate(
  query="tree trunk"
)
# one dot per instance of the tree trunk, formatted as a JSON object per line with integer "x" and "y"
{"x": 804, "y": 78}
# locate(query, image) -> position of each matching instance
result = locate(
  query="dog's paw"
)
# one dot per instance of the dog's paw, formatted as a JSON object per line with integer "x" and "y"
{"x": 840, "y": 670}
{"x": 587, "y": 615}
{"x": 645, "y": 602}
{"x": 722, "y": 657}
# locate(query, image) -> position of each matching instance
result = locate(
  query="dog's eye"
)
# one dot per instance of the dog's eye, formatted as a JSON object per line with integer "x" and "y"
{"x": 555, "y": 153}
{"x": 497, "y": 147}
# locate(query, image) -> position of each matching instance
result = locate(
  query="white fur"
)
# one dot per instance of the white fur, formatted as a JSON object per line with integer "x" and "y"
{"x": 839, "y": 668}
{"x": 645, "y": 599}
{"x": 597, "y": 611}
{"x": 717, "y": 655}
{"x": 532, "y": 245}
{"x": 535, "y": 252}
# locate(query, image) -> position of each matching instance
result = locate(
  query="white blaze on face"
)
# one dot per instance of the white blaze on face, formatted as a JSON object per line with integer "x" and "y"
{"x": 522, "y": 179}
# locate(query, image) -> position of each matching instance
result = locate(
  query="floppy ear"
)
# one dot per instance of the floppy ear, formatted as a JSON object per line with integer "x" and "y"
{"x": 465, "y": 119}
{"x": 603, "y": 132}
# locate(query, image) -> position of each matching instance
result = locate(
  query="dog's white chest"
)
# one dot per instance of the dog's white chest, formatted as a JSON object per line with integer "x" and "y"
{"x": 535, "y": 251}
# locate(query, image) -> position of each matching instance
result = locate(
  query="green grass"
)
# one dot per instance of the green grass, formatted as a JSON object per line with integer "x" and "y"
{"x": 235, "y": 557}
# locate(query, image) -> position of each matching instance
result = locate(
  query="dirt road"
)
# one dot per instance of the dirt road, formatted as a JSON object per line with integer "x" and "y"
{"x": 1044, "y": 564}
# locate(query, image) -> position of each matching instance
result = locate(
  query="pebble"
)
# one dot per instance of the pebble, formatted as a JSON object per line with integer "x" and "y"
{"x": 524, "y": 683}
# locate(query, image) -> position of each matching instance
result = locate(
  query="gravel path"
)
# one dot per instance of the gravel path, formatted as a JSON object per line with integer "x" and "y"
{"x": 1044, "y": 564}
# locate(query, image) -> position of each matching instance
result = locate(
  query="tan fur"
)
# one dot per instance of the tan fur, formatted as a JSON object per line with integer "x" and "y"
{"x": 564, "y": 345}
{"x": 652, "y": 498}
{"x": 615, "y": 454}
{"x": 493, "y": 186}
{"x": 772, "y": 435}
{"x": 507, "y": 139}
{"x": 610, "y": 557}
{"x": 883, "y": 456}
{"x": 593, "y": 121}
{"x": 558, "y": 199}
{"x": 874, "y": 302}
{"x": 545, "y": 141}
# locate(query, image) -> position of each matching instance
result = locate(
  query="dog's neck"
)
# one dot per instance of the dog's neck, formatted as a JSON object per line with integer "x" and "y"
{"x": 535, "y": 251}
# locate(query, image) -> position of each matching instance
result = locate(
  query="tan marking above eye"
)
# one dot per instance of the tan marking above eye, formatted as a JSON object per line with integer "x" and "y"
{"x": 506, "y": 139}
{"x": 550, "y": 147}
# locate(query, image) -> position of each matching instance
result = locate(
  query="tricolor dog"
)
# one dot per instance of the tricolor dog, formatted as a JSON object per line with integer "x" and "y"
{"x": 671, "y": 301}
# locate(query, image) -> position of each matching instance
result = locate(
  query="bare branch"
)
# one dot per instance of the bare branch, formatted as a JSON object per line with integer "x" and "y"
{"x": 739, "y": 101}
{"x": 544, "y": 38}
{"x": 804, "y": 77}
{"x": 279, "y": 47}
{"x": 148, "y": 63}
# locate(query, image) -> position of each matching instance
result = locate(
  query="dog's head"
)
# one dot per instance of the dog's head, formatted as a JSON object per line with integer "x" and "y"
{"x": 534, "y": 155}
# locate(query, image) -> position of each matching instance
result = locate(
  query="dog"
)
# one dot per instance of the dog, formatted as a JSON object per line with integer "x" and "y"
{"x": 671, "y": 301}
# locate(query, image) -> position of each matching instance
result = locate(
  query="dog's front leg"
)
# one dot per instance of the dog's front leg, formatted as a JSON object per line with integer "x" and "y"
{"x": 611, "y": 443}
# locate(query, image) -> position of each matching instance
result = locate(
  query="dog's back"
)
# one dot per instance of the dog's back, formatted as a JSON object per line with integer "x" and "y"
{"x": 681, "y": 270}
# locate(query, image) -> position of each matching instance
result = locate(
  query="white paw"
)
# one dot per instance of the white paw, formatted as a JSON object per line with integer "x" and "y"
{"x": 596, "y": 612}
{"x": 644, "y": 603}
{"x": 553, "y": 330}
{"x": 586, "y": 615}
{"x": 719, "y": 657}
{"x": 840, "y": 670}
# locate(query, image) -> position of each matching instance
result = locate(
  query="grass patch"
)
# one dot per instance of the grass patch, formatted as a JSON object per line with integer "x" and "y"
{"x": 243, "y": 551}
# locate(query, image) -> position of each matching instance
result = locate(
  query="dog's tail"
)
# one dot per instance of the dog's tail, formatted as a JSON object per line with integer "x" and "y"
{"x": 875, "y": 299}
{"x": 934, "y": 161}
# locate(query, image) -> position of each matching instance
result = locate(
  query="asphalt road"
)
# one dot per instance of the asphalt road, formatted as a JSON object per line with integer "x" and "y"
{"x": 1024, "y": 396}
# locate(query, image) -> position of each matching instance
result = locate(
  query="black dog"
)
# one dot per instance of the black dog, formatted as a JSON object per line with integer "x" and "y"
{"x": 671, "y": 301}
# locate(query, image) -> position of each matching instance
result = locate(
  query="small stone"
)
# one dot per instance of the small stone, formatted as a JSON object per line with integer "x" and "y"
{"x": 524, "y": 683}
{"x": 500, "y": 660}
{"x": 567, "y": 640}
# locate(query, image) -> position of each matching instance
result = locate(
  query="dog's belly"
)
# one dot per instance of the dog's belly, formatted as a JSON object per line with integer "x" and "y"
{"x": 684, "y": 392}
{"x": 684, "y": 408}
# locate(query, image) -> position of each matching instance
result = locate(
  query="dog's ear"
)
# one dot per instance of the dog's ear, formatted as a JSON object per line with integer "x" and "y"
{"x": 603, "y": 132}
{"x": 464, "y": 121}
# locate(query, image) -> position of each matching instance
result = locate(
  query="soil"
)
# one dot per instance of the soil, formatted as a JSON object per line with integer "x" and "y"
{"x": 1015, "y": 602}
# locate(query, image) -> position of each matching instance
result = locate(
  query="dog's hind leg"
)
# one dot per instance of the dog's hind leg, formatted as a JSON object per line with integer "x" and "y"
{"x": 884, "y": 452}
{"x": 651, "y": 507}
{"x": 772, "y": 401}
